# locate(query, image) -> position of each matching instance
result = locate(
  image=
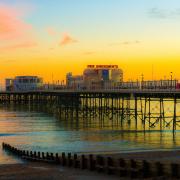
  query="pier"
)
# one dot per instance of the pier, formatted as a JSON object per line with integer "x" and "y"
{"x": 149, "y": 109}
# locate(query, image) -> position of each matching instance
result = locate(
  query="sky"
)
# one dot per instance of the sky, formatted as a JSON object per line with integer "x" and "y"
{"x": 50, "y": 38}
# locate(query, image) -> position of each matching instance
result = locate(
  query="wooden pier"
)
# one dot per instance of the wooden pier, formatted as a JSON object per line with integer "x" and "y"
{"x": 148, "y": 108}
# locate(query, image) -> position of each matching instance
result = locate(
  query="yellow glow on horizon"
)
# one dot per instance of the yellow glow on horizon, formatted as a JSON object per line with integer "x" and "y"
{"x": 133, "y": 59}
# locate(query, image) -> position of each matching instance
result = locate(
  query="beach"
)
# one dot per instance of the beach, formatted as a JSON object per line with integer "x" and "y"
{"x": 43, "y": 171}
{"x": 35, "y": 170}
{"x": 154, "y": 156}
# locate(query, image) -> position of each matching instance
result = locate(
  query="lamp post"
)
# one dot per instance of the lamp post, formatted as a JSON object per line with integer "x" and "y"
{"x": 171, "y": 80}
{"x": 142, "y": 81}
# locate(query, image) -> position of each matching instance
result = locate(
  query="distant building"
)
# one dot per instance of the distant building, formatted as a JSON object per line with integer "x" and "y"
{"x": 95, "y": 77}
{"x": 9, "y": 84}
{"x": 102, "y": 76}
{"x": 74, "y": 82}
{"x": 24, "y": 83}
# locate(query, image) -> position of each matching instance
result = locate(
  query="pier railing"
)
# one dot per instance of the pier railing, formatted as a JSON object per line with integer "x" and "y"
{"x": 129, "y": 90}
{"x": 113, "y": 166}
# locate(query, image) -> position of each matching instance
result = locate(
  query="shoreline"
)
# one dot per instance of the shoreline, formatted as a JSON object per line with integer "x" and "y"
{"x": 155, "y": 155}
{"x": 172, "y": 155}
{"x": 161, "y": 156}
{"x": 129, "y": 152}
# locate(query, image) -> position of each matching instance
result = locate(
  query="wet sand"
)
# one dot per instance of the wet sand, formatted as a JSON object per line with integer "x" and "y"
{"x": 38, "y": 171}
{"x": 162, "y": 156}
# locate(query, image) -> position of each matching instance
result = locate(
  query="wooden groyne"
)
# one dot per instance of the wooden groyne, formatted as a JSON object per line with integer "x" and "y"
{"x": 113, "y": 166}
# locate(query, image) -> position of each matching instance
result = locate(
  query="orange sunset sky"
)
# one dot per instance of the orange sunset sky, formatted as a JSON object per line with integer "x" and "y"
{"x": 43, "y": 37}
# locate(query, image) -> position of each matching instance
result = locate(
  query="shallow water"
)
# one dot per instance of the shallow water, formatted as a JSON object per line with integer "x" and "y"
{"x": 31, "y": 129}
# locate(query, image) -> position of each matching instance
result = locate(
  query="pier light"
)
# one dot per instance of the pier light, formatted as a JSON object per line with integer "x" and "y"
{"x": 171, "y": 79}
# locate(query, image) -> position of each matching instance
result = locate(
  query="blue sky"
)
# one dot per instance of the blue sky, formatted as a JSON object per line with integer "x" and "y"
{"x": 73, "y": 33}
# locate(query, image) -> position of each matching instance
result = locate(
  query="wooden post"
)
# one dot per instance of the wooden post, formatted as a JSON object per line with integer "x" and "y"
{"x": 63, "y": 159}
{"x": 160, "y": 118}
{"x": 144, "y": 119}
{"x": 34, "y": 155}
{"x": 159, "y": 169}
{"x": 23, "y": 152}
{"x": 69, "y": 160}
{"x": 134, "y": 169}
{"x": 52, "y": 157}
{"x": 31, "y": 154}
{"x": 122, "y": 111}
{"x": 76, "y": 161}
{"x": 174, "y": 118}
{"x": 175, "y": 170}
{"x": 110, "y": 165}
{"x": 146, "y": 169}
{"x": 43, "y": 156}
{"x": 100, "y": 165}
{"x": 91, "y": 163}
{"x": 57, "y": 158}
{"x": 83, "y": 162}
{"x": 47, "y": 156}
{"x": 27, "y": 153}
{"x": 149, "y": 114}
{"x": 122, "y": 167}
{"x": 39, "y": 155}
{"x": 136, "y": 114}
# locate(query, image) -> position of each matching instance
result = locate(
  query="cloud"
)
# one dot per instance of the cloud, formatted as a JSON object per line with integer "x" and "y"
{"x": 157, "y": 13}
{"x": 51, "y": 31}
{"x": 15, "y": 33}
{"x": 23, "y": 45}
{"x": 67, "y": 39}
{"x": 164, "y": 13}
{"x": 125, "y": 43}
{"x": 12, "y": 25}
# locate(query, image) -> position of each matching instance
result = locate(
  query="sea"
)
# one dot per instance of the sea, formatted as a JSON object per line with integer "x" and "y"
{"x": 31, "y": 128}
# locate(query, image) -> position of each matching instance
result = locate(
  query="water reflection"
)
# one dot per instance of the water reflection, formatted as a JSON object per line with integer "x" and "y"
{"x": 34, "y": 127}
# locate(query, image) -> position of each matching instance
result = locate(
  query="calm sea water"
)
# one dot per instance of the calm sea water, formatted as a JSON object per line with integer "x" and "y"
{"x": 30, "y": 129}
